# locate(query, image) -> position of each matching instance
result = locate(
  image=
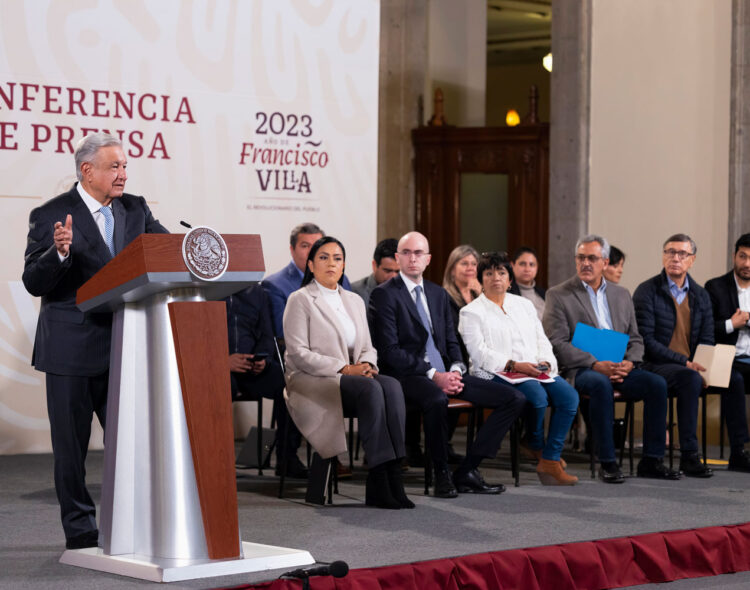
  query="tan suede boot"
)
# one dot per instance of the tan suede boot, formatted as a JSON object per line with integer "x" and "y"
{"x": 551, "y": 473}
{"x": 536, "y": 454}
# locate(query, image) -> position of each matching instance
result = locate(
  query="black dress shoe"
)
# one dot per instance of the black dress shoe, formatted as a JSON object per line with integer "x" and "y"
{"x": 454, "y": 458}
{"x": 444, "y": 487}
{"x": 294, "y": 468}
{"x": 692, "y": 466}
{"x": 739, "y": 461}
{"x": 611, "y": 473}
{"x": 84, "y": 540}
{"x": 655, "y": 469}
{"x": 472, "y": 483}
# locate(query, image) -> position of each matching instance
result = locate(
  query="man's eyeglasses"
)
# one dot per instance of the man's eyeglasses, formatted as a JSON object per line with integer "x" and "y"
{"x": 681, "y": 254}
{"x": 416, "y": 253}
{"x": 591, "y": 258}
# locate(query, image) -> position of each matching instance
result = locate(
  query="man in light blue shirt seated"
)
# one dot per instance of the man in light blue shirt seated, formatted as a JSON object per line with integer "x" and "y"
{"x": 588, "y": 298}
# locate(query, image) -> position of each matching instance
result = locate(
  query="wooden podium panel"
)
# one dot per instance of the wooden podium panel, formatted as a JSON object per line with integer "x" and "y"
{"x": 201, "y": 344}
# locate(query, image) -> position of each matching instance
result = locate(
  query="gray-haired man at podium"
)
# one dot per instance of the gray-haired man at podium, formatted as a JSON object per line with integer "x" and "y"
{"x": 70, "y": 238}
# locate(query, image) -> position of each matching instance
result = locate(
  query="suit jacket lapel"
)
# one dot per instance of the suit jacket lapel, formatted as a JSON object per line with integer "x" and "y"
{"x": 406, "y": 299}
{"x": 732, "y": 288}
{"x": 85, "y": 226}
{"x": 583, "y": 298}
{"x": 118, "y": 212}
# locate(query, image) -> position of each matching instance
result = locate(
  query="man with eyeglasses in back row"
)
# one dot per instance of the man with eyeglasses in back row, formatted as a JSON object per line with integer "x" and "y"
{"x": 674, "y": 316}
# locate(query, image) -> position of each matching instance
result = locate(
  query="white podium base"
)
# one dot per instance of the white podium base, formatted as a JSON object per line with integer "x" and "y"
{"x": 256, "y": 558}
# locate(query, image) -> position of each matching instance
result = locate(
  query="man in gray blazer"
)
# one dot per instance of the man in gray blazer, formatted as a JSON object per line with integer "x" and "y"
{"x": 589, "y": 299}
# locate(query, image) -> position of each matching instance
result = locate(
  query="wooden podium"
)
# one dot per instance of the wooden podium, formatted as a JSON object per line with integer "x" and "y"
{"x": 169, "y": 496}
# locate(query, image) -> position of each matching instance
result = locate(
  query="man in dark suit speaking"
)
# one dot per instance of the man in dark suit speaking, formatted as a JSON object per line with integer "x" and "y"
{"x": 412, "y": 330}
{"x": 70, "y": 238}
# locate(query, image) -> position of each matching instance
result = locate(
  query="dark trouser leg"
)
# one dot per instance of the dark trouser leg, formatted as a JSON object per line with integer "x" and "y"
{"x": 598, "y": 389}
{"x": 379, "y": 406}
{"x": 652, "y": 389}
{"x": 424, "y": 394}
{"x": 507, "y": 403}
{"x": 413, "y": 428}
{"x": 733, "y": 408}
{"x": 687, "y": 385}
{"x": 71, "y": 404}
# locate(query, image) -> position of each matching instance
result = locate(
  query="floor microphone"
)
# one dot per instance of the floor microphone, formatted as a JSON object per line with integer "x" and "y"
{"x": 337, "y": 569}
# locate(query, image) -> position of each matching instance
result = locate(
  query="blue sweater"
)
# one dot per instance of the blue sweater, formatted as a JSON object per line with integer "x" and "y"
{"x": 656, "y": 315}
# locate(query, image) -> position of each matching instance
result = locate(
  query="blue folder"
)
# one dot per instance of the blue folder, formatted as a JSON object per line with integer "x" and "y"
{"x": 605, "y": 345}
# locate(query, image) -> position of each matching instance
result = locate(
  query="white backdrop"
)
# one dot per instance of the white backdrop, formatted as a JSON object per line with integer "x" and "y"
{"x": 245, "y": 116}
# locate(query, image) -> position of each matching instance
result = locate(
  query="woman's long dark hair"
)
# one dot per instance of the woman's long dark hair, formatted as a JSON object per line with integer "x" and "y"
{"x": 314, "y": 250}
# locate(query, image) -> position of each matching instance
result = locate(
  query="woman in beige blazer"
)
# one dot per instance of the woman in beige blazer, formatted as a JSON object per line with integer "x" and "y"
{"x": 331, "y": 367}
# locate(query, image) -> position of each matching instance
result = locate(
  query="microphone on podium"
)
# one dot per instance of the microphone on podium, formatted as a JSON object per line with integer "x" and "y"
{"x": 185, "y": 224}
{"x": 337, "y": 569}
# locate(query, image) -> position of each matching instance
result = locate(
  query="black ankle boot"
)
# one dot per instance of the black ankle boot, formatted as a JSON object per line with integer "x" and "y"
{"x": 396, "y": 483}
{"x": 378, "y": 491}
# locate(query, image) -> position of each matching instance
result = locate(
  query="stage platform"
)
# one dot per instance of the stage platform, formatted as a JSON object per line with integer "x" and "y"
{"x": 528, "y": 516}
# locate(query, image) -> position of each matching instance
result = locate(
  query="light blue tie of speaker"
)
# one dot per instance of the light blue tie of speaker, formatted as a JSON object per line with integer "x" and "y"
{"x": 109, "y": 229}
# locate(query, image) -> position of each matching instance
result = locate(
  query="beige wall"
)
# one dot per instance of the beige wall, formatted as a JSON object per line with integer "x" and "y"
{"x": 660, "y": 82}
{"x": 457, "y": 58}
{"x": 508, "y": 88}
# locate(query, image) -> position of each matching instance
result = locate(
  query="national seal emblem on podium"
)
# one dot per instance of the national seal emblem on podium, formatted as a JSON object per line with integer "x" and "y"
{"x": 205, "y": 253}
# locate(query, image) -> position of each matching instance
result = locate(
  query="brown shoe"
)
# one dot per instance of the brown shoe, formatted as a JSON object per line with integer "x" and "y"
{"x": 536, "y": 454}
{"x": 551, "y": 473}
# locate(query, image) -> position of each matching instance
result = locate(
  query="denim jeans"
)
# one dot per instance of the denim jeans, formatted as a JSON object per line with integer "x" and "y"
{"x": 564, "y": 399}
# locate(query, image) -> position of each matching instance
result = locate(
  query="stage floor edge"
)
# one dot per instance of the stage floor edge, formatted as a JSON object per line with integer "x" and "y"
{"x": 256, "y": 558}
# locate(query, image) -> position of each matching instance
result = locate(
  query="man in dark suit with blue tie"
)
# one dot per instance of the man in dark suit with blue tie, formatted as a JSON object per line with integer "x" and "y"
{"x": 412, "y": 329}
{"x": 70, "y": 238}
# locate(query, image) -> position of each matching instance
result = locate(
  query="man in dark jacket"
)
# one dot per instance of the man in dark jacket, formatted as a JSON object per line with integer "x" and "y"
{"x": 674, "y": 316}
{"x": 730, "y": 297}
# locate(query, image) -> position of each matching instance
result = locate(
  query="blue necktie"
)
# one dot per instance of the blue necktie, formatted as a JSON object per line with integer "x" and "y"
{"x": 109, "y": 229}
{"x": 433, "y": 354}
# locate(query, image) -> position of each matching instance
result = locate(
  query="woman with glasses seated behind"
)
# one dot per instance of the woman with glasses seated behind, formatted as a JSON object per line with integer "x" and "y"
{"x": 502, "y": 333}
{"x": 331, "y": 369}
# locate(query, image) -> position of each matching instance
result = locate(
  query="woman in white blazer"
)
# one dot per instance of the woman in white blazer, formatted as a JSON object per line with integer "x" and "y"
{"x": 502, "y": 332}
{"x": 331, "y": 367}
